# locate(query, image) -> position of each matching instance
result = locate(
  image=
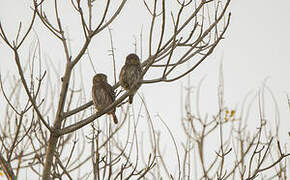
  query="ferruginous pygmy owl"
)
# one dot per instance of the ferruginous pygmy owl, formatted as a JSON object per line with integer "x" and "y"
{"x": 103, "y": 94}
{"x": 130, "y": 75}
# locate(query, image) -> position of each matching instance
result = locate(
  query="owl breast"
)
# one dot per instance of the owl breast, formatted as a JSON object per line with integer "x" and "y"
{"x": 101, "y": 96}
{"x": 130, "y": 75}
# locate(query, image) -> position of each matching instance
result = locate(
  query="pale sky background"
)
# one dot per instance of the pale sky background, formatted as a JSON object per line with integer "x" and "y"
{"x": 256, "y": 47}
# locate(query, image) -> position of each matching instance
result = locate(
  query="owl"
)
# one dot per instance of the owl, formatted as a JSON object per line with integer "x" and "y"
{"x": 130, "y": 75}
{"x": 103, "y": 94}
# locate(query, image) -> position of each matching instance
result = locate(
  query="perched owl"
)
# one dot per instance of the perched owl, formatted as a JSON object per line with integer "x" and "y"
{"x": 103, "y": 94}
{"x": 130, "y": 74}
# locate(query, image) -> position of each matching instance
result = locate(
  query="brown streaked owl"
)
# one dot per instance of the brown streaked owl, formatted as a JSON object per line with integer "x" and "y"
{"x": 130, "y": 74}
{"x": 103, "y": 94}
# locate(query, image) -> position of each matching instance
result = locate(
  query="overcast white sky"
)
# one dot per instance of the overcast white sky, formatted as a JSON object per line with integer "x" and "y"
{"x": 255, "y": 47}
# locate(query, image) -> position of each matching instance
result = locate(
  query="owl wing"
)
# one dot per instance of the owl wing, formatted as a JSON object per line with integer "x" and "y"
{"x": 110, "y": 91}
{"x": 97, "y": 95}
{"x": 123, "y": 77}
{"x": 133, "y": 74}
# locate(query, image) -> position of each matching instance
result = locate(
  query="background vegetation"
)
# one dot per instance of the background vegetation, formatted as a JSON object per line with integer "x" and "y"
{"x": 49, "y": 128}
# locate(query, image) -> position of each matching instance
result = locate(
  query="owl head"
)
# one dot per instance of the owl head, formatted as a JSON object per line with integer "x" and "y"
{"x": 132, "y": 59}
{"x": 100, "y": 77}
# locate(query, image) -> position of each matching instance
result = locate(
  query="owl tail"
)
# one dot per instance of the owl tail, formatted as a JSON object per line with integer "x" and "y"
{"x": 115, "y": 118}
{"x": 131, "y": 99}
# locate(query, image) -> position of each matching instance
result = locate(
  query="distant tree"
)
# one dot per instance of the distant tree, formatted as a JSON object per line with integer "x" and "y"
{"x": 49, "y": 127}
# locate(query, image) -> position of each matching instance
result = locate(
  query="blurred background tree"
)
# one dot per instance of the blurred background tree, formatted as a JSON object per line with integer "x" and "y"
{"x": 50, "y": 129}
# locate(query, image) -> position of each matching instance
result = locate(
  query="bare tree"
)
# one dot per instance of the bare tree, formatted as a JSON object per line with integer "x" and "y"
{"x": 44, "y": 131}
{"x": 239, "y": 153}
